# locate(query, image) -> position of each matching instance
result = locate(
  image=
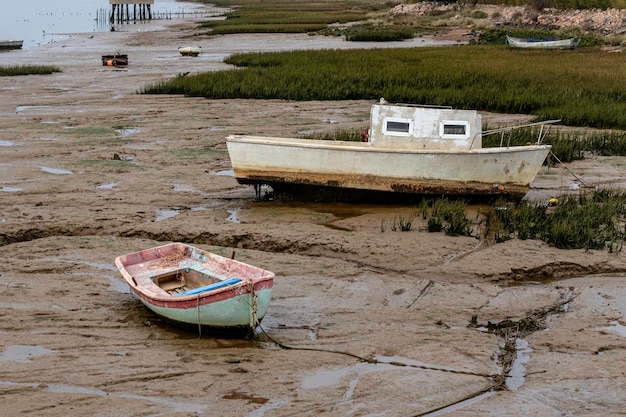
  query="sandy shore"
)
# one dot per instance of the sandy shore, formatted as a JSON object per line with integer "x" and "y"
{"x": 90, "y": 170}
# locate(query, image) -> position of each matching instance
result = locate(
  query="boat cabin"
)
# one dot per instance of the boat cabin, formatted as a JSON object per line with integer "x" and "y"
{"x": 424, "y": 127}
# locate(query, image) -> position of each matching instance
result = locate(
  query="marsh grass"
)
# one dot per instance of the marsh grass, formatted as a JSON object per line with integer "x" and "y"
{"x": 582, "y": 88}
{"x": 12, "y": 70}
{"x": 348, "y": 135}
{"x": 443, "y": 214}
{"x": 399, "y": 222}
{"x": 377, "y": 33}
{"x": 285, "y": 17}
{"x": 453, "y": 216}
{"x": 590, "y": 221}
{"x": 586, "y": 221}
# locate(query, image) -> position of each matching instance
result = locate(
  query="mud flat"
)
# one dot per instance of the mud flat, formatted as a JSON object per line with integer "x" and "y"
{"x": 390, "y": 323}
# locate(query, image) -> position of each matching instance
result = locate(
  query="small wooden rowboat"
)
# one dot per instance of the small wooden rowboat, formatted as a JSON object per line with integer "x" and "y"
{"x": 115, "y": 60}
{"x": 190, "y": 50}
{"x": 194, "y": 288}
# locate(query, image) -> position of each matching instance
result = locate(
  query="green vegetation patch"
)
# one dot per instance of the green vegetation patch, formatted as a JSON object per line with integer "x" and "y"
{"x": 6, "y": 71}
{"x": 285, "y": 17}
{"x": 582, "y": 87}
{"x": 586, "y": 221}
{"x": 591, "y": 221}
{"x": 378, "y": 33}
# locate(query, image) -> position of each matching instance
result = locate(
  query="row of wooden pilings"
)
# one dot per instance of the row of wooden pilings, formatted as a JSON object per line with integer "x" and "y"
{"x": 123, "y": 12}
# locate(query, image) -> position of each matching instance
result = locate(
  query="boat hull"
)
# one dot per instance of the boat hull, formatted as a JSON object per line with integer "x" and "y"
{"x": 190, "y": 50}
{"x": 287, "y": 163}
{"x": 230, "y": 317}
{"x": 233, "y": 305}
{"x": 10, "y": 44}
{"x": 556, "y": 44}
{"x": 117, "y": 60}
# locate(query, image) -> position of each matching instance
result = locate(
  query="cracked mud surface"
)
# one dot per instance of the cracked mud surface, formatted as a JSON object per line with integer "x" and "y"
{"x": 72, "y": 336}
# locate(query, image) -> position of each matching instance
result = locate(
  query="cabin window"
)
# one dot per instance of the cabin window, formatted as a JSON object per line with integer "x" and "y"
{"x": 454, "y": 129}
{"x": 397, "y": 127}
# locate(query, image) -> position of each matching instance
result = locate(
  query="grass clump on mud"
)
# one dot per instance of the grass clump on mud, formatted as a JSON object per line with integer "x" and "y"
{"x": 586, "y": 221}
{"x": 586, "y": 88}
{"x": 591, "y": 221}
{"x": 440, "y": 215}
{"x": 449, "y": 216}
{"x": 12, "y": 70}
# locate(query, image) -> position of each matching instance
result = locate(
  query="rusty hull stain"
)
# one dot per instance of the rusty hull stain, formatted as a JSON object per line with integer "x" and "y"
{"x": 317, "y": 184}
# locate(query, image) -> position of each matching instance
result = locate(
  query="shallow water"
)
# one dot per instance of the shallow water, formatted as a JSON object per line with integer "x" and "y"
{"x": 234, "y": 216}
{"x": 175, "y": 406}
{"x": 516, "y": 376}
{"x": 22, "y": 353}
{"x": 20, "y": 109}
{"x": 183, "y": 188}
{"x": 617, "y": 328}
{"x": 227, "y": 173}
{"x": 166, "y": 214}
{"x": 11, "y": 189}
{"x": 127, "y": 132}
{"x": 56, "y": 171}
{"x": 108, "y": 186}
{"x": 45, "y": 21}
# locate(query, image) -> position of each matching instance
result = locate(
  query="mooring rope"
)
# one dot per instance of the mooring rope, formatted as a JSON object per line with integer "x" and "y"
{"x": 371, "y": 359}
{"x": 254, "y": 306}
{"x": 434, "y": 368}
{"x": 568, "y": 170}
{"x": 467, "y": 397}
{"x": 198, "y": 310}
{"x": 286, "y": 347}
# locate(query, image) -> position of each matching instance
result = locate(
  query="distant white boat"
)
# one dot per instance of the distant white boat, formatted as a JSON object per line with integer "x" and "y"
{"x": 10, "y": 44}
{"x": 190, "y": 50}
{"x": 532, "y": 43}
{"x": 408, "y": 150}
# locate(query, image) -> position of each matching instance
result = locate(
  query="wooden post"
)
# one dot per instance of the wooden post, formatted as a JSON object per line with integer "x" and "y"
{"x": 121, "y": 13}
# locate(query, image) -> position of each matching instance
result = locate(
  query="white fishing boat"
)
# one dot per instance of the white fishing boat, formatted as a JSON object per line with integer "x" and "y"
{"x": 408, "y": 150}
{"x": 533, "y": 43}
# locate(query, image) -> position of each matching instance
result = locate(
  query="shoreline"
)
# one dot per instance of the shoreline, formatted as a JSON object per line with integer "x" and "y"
{"x": 44, "y": 23}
